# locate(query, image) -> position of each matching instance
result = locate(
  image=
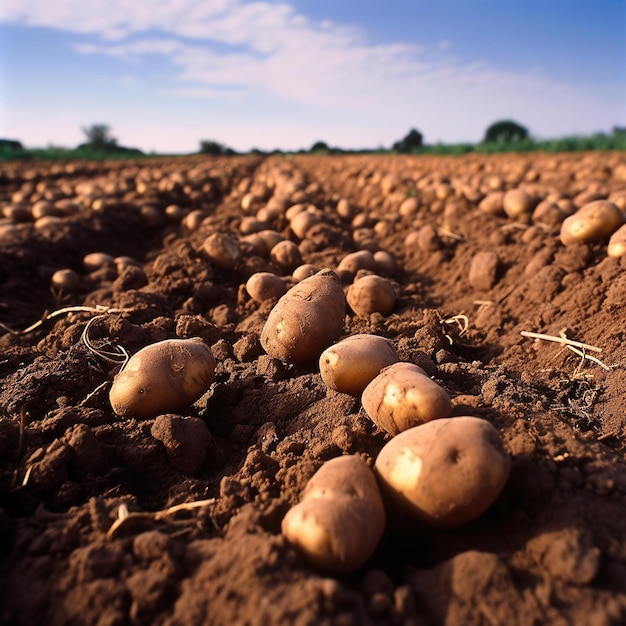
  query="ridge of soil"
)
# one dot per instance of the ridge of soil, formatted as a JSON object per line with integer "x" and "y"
{"x": 551, "y": 550}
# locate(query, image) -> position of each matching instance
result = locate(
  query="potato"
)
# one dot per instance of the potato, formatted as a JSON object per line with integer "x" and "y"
{"x": 307, "y": 319}
{"x": 303, "y": 221}
{"x": 286, "y": 255}
{"x": 222, "y": 250}
{"x": 371, "y": 294}
{"x": 595, "y": 221}
{"x": 517, "y": 202}
{"x": 303, "y": 271}
{"x": 402, "y": 396}
{"x": 617, "y": 242}
{"x": 65, "y": 279}
{"x": 163, "y": 377}
{"x": 263, "y": 286}
{"x": 446, "y": 472}
{"x": 340, "y": 519}
{"x": 97, "y": 260}
{"x": 355, "y": 261}
{"x": 351, "y": 364}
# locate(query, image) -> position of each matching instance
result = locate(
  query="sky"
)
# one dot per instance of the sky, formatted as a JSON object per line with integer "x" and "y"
{"x": 167, "y": 74}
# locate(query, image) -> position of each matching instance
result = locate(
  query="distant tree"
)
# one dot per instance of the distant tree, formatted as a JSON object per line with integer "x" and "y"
{"x": 505, "y": 131}
{"x": 619, "y": 130}
{"x": 11, "y": 144}
{"x": 211, "y": 147}
{"x": 214, "y": 148}
{"x": 99, "y": 138}
{"x": 319, "y": 146}
{"x": 409, "y": 143}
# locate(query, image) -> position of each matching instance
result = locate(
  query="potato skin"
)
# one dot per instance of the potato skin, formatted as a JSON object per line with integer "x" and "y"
{"x": 446, "y": 472}
{"x": 403, "y": 396}
{"x": 595, "y": 221}
{"x": 163, "y": 377}
{"x": 351, "y": 364}
{"x": 371, "y": 294}
{"x": 340, "y": 518}
{"x": 308, "y": 318}
{"x": 263, "y": 286}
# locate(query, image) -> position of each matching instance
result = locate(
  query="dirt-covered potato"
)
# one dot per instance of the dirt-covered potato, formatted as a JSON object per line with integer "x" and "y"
{"x": 286, "y": 255}
{"x": 303, "y": 271}
{"x": 371, "y": 294}
{"x": 222, "y": 250}
{"x": 163, "y": 377}
{"x": 595, "y": 221}
{"x": 66, "y": 279}
{"x": 617, "y": 242}
{"x": 263, "y": 286}
{"x": 307, "y": 319}
{"x": 351, "y": 364}
{"x": 446, "y": 472}
{"x": 96, "y": 260}
{"x": 517, "y": 202}
{"x": 402, "y": 396}
{"x": 340, "y": 518}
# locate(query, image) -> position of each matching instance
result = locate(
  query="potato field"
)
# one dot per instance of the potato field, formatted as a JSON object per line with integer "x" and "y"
{"x": 314, "y": 390}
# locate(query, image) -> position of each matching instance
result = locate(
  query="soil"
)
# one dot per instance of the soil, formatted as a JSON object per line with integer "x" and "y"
{"x": 88, "y": 534}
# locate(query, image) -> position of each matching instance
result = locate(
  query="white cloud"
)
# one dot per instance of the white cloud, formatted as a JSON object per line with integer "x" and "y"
{"x": 233, "y": 51}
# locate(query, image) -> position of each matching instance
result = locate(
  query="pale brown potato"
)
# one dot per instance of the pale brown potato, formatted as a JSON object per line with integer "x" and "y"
{"x": 96, "y": 260}
{"x": 303, "y": 271}
{"x": 355, "y": 261}
{"x": 65, "y": 279}
{"x": 446, "y": 472}
{"x": 403, "y": 396}
{"x": 340, "y": 518}
{"x": 307, "y": 319}
{"x": 352, "y": 363}
{"x": 595, "y": 221}
{"x": 263, "y": 286}
{"x": 617, "y": 243}
{"x": 371, "y": 294}
{"x": 303, "y": 221}
{"x": 517, "y": 202}
{"x": 286, "y": 255}
{"x": 163, "y": 377}
{"x": 385, "y": 262}
{"x": 222, "y": 250}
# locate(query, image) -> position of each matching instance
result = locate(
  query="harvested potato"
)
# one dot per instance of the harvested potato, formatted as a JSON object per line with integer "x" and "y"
{"x": 351, "y": 364}
{"x": 355, "y": 261}
{"x": 403, "y": 396}
{"x": 307, "y": 319}
{"x": 286, "y": 255}
{"x": 371, "y": 294}
{"x": 303, "y": 271}
{"x": 617, "y": 242}
{"x": 517, "y": 202}
{"x": 340, "y": 519}
{"x": 446, "y": 472}
{"x": 385, "y": 262}
{"x": 163, "y": 377}
{"x": 222, "y": 250}
{"x": 263, "y": 286}
{"x": 65, "y": 279}
{"x": 304, "y": 221}
{"x": 595, "y": 221}
{"x": 96, "y": 260}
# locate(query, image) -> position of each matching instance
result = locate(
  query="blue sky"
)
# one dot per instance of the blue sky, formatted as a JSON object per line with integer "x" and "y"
{"x": 165, "y": 74}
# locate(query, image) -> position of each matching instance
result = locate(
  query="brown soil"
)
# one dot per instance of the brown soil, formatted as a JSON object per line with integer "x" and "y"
{"x": 551, "y": 550}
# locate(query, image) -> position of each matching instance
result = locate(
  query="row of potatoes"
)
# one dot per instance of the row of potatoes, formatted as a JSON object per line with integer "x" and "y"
{"x": 444, "y": 471}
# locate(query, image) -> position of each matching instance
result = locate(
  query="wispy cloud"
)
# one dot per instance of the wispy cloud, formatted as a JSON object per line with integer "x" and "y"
{"x": 233, "y": 50}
